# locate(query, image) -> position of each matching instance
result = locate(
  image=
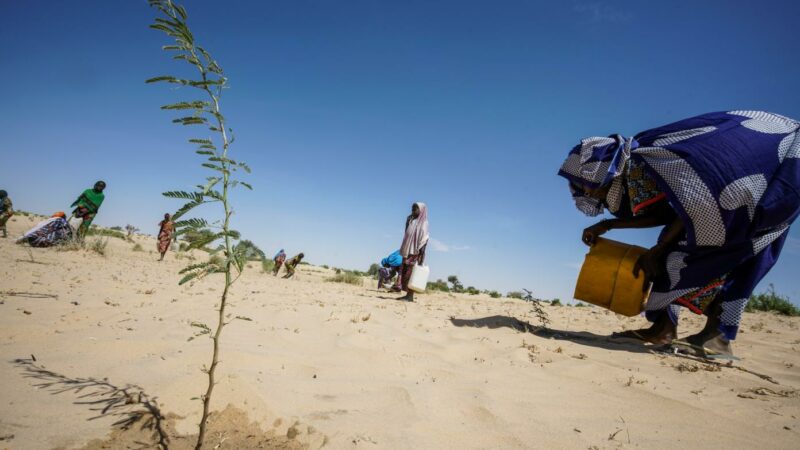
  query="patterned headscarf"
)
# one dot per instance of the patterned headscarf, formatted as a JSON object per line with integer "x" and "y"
{"x": 595, "y": 162}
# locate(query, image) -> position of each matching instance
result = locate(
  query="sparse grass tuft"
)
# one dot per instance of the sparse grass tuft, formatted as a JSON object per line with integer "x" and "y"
{"x": 138, "y": 247}
{"x": 98, "y": 246}
{"x": 772, "y": 301}
{"x": 347, "y": 277}
{"x": 97, "y": 231}
{"x": 267, "y": 265}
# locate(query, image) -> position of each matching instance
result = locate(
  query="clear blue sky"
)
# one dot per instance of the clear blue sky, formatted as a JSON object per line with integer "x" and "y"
{"x": 349, "y": 111}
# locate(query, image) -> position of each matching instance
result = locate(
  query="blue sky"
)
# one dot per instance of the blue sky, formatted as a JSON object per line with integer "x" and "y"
{"x": 349, "y": 111}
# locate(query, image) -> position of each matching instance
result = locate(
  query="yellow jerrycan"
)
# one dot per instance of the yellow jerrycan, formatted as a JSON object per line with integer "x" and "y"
{"x": 607, "y": 280}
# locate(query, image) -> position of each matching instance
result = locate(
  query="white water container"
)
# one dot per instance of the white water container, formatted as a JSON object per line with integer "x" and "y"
{"x": 419, "y": 278}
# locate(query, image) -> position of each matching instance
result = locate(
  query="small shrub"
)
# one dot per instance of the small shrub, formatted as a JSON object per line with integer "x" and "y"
{"x": 347, "y": 277}
{"x": 98, "y": 246}
{"x": 337, "y": 270}
{"x": 184, "y": 246}
{"x": 538, "y": 311}
{"x": 556, "y": 302}
{"x": 97, "y": 231}
{"x": 438, "y": 285}
{"x": 582, "y": 305}
{"x": 138, "y": 247}
{"x": 471, "y": 290}
{"x": 494, "y": 294}
{"x": 457, "y": 286}
{"x": 373, "y": 270}
{"x": 515, "y": 294}
{"x": 267, "y": 265}
{"x": 772, "y": 301}
{"x": 325, "y": 266}
{"x": 115, "y": 228}
{"x": 69, "y": 246}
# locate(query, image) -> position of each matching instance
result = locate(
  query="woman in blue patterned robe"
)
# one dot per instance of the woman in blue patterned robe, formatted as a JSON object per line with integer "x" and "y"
{"x": 725, "y": 186}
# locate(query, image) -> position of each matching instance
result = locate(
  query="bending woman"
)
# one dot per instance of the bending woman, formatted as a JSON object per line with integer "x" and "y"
{"x": 725, "y": 186}
{"x": 415, "y": 240}
{"x": 87, "y": 205}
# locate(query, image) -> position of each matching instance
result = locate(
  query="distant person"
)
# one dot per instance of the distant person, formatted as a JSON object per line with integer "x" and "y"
{"x": 87, "y": 205}
{"x": 415, "y": 240}
{"x": 6, "y": 211}
{"x": 724, "y": 186}
{"x": 279, "y": 259}
{"x": 48, "y": 233}
{"x": 390, "y": 266}
{"x": 291, "y": 265}
{"x": 166, "y": 234}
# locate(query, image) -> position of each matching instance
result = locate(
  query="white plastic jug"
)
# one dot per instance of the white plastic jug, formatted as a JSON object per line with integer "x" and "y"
{"x": 75, "y": 223}
{"x": 419, "y": 278}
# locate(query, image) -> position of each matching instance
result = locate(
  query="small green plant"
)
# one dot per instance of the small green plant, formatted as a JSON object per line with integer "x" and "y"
{"x": 515, "y": 294}
{"x": 267, "y": 265}
{"x": 129, "y": 230}
{"x": 209, "y": 82}
{"x": 138, "y": 247}
{"x": 438, "y": 285}
{"x": 494, "y": 294}
{"x": 471, "y": 290}
{"x": 347, "y": 277}
{"x": 772, "y": 301}
{"x": 555, "y": 302}
{"x": 538, "y": 311}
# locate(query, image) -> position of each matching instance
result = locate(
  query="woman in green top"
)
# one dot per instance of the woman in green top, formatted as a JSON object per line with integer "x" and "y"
{"x": 6, "y": 211}
{"x": 87, "y": 205}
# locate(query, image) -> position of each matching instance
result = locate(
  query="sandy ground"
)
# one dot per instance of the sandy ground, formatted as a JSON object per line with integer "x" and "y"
{"x": 342, "y": 366}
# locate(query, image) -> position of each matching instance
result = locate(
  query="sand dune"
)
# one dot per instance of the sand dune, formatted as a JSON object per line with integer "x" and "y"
{"x": 333, "y": 365}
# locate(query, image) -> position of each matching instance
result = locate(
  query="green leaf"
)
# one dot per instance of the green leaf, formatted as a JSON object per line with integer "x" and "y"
{"x": 192, "y": 223}
{"x": 186, "y": 208}
{"x": 183, "y": 194}
{"x": 190, "y": 120}
{"x": 186, "y": 105}
{"x": 203, "y": 241}
{"x": 247, "y": 185}
{"x": 244, "y": 166}
{"x": 201, "y": 141}
{"x": 192, "y": 267}
{"x": 211, "y": 183}
{"x": 161, "y": 78}
{"x": 215, "y": 167}
{"x": 181, "y": 11}
{"x": 204, "y": 152}
{"x": 188, "y": 277}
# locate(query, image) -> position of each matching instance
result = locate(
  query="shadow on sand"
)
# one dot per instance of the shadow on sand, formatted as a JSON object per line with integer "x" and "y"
{"x": 577, "y": 337}
{"x": 130, "y": 404}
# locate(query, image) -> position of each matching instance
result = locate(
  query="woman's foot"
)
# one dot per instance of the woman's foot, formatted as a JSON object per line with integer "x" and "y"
{"x": 662, "y": 332}
{"x": 711, "y": 343}
{"x": 408, "y": 297}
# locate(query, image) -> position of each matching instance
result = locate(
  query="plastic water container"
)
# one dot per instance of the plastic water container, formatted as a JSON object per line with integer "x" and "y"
{"x": 607, "y": 280}
{"x": 419, "y": 278}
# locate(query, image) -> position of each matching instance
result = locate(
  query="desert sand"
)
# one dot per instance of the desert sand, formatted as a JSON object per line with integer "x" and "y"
{"x": 314, "y": 364}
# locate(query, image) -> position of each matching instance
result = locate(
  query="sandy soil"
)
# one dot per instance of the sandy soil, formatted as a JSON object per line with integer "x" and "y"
{"x": 340, "y": 366}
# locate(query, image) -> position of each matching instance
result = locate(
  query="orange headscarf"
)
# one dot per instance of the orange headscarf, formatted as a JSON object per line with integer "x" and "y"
{"x": 60, "y": 214}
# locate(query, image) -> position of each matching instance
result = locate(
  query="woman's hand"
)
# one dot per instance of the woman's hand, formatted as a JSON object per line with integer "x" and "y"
{"x": 591, "y": 234}
{"x": 651, "y": 264}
